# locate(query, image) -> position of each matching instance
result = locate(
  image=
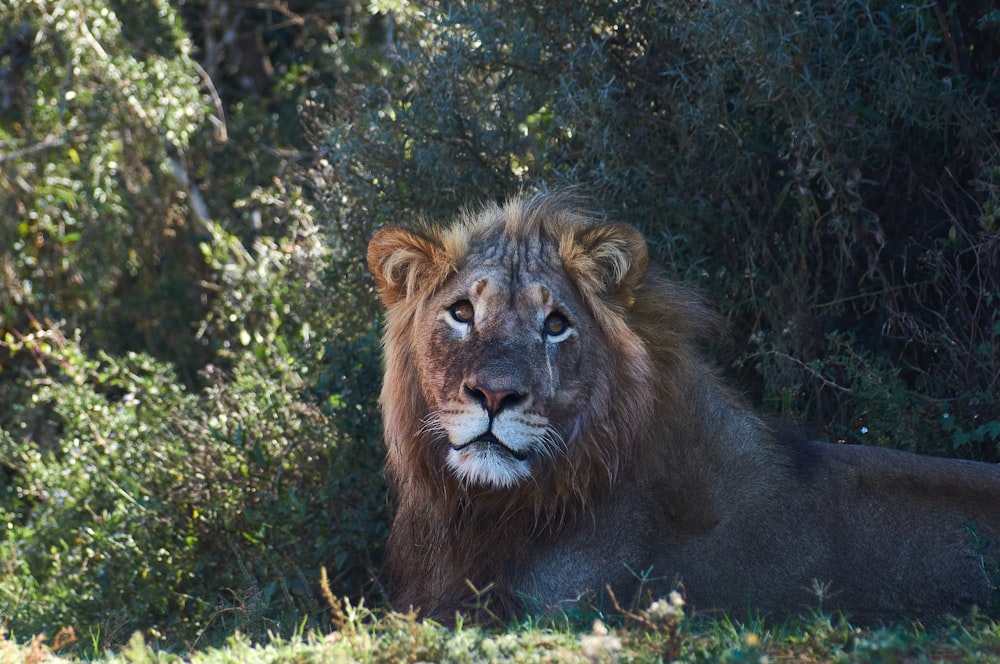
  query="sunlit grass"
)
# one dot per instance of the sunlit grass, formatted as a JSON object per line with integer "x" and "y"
{"x": 651, "y": 635}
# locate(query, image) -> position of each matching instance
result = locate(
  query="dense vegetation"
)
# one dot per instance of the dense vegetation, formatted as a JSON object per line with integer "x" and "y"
{"x": 188, "y": 343}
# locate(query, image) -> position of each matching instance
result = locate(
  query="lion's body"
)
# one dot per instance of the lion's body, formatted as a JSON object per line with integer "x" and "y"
{"x": 876, "y": 533}
{"x": 552, "y": 429}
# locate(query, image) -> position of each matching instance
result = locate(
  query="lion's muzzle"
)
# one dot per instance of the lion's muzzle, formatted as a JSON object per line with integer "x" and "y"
{"x": 491, "y": 442}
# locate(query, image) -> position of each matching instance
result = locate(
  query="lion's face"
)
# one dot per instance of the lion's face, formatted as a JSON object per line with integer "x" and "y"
{"x": 504, "y": 343}
{"x": 502, "y": 349}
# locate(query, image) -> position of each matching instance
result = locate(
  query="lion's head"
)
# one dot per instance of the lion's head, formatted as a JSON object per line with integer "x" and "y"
{"x": 509, "y": 360}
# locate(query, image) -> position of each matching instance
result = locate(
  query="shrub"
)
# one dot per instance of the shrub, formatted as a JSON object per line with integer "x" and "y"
{"x": 202, "y": 443}
{"x": 95, "y": 205}
{"x": 157, "y": 509}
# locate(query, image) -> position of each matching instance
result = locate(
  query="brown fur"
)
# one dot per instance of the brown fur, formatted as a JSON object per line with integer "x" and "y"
{"x": 649, "y": 466}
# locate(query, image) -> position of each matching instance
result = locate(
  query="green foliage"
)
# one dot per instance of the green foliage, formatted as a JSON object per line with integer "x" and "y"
{"x": 206, "y": 440}
{"x": 154, "y": 496}
{"x": 93, "y": 205}
{"x": 94, "y": 533}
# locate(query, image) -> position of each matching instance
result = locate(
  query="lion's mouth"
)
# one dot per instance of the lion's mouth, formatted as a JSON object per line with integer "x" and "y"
{"x": 490, "y": 442}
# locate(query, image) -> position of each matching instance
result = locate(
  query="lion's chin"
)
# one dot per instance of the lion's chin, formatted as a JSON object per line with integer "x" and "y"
{"x": 487, "y": 461}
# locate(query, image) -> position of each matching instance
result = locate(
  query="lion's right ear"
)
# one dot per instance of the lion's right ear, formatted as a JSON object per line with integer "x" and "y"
{"x": 402, "y": 262}
{"x": 608, "y": 259}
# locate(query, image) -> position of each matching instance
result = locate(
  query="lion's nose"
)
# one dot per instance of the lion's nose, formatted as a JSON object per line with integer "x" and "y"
{"x": 493, "y": 400}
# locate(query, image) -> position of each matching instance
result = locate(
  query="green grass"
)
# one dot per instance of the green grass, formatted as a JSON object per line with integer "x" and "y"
{"x": 360, "y": 635}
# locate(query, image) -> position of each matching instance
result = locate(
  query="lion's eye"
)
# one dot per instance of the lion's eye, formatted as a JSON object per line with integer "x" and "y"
{"x": 555, "y": 325}
{"x": 462, "y": 311}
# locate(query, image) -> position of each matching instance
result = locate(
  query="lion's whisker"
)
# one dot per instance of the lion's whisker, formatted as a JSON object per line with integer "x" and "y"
{"x": 431, "y": 424}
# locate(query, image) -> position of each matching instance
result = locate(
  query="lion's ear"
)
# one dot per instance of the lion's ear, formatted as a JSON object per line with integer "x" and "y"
{"x": 610, "y": 259}
{"x": 401, "y": 262}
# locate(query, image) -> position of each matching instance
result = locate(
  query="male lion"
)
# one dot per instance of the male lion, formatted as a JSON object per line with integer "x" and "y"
{"x": 553, "y": 430}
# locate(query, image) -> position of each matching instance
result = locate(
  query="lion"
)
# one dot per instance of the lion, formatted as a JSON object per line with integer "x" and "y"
{"x": 554, "y": 432}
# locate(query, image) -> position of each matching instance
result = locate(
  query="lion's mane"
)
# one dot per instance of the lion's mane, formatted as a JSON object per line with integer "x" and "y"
{"x": 651, "y": 326}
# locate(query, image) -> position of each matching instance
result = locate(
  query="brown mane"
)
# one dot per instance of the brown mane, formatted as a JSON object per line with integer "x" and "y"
{"x": 453, "y": 521}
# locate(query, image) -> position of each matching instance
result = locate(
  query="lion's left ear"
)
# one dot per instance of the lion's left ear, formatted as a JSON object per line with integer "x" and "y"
{"x": 609, "y": 259}
{"x": 402, "y": 262}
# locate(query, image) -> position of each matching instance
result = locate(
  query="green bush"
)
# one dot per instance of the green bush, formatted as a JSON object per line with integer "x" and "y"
{"x": 137, "y": 503}
{"x": 157, "y": 509}
{"x": 95, "y": 206}
{"x": 205, "y": 440}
